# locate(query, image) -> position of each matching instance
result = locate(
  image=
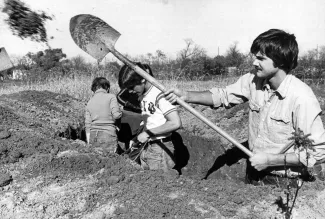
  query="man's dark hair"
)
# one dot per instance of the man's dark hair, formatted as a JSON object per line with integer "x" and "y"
{"x": 100, "y": 82}
{"x": 279, "y": 46}
{"x": 127, "y": 77}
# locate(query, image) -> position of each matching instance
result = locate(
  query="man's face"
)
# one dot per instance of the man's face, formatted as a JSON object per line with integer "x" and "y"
{"x": 264, "y": 66}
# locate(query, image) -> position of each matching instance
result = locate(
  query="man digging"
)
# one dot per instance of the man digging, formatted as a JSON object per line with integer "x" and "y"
{"x": 279, "y": 103}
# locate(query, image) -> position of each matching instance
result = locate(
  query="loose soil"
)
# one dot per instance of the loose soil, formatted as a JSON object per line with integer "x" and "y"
{"x": 47, "y": 170}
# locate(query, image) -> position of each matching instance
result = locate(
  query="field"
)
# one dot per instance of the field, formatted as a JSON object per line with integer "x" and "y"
{"x": 47, "y": 171}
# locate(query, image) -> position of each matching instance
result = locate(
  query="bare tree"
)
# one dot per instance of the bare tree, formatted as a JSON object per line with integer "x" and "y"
{"x": 322, "y": 53}
{"x": 191, "y": 59}
{"x": 191, "y": 50}
{"x": 233, "y": 56}
{"x": 247, "y": 64}
{"x": 78, "y": 62}
{"x": 160, "y": 56}
{"x": 150, "y": 57}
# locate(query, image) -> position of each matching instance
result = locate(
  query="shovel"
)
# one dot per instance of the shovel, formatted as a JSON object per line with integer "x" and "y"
{"x": 97, "y": 38}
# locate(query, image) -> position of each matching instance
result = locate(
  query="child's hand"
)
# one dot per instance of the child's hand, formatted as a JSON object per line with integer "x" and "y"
{"x": 172, "y": 94}
{"x": 143, "y": 137}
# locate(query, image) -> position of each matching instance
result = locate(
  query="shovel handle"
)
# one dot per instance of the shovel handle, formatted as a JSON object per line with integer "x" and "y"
{"x": 154, "y": 82}
{"x": 286, "y": 147}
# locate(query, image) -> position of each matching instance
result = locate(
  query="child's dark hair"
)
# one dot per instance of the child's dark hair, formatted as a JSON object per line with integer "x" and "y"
{"x": 279, "y": 46}
{"x": 100, "y": 82}
{"x": 127, "y": 77}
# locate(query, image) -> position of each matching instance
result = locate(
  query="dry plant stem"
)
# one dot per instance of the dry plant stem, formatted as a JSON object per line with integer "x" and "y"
{"x": 300, "y": 140}
{"x": 294, "y": 200}
{"x": 287, "y": 215}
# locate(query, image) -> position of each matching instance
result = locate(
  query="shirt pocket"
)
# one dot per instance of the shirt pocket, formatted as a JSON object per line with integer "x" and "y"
{"x": 280, "y": 128}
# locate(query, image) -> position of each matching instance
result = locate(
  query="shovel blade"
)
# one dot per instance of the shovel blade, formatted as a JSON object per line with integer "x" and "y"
{"x": 93, "y": 35}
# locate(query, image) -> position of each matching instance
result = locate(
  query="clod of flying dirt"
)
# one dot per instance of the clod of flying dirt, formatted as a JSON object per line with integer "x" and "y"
{"x": 4, "y": 134}
{"x": 5, "y": 179}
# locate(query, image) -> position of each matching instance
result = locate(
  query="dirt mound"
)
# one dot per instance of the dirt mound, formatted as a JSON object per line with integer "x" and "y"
{"x": 47, "y": 171}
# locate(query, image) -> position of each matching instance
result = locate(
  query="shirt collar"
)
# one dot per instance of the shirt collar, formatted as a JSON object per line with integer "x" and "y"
{"x": 100, "y": 90}
{"x": 266, "y": 85}
{"x": 282, "y": 89}
{"x": 284, "y": 86}
{"x": 148, "y": 90}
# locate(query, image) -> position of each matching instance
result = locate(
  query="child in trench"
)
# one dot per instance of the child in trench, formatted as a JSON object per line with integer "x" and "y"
{"x": 161, "y": 118}
{"x": 131, "y": 123}
{"x": 101, "y": 113}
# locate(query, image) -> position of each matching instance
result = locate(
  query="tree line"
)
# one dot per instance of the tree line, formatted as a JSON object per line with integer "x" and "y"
{"x": 191, "y": 63}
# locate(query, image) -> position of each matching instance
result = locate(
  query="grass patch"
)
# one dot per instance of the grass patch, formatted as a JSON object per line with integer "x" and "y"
{"x": 78, "y": 86}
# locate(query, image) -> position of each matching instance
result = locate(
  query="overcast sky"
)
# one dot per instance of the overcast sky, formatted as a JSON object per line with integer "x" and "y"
{"x": 149, "y": 25}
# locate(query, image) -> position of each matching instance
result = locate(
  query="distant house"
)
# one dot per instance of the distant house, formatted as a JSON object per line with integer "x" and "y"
{"x": 18, "y": 74}
{"x": 5, "y": 63}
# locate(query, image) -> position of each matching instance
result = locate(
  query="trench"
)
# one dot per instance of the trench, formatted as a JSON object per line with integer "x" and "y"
{"x": 208, "y": 159}
{"x": 196, "y": 156}
{"x": 74, "y": 133}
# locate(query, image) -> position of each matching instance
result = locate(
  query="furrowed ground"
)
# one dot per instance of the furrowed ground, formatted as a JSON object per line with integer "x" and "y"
{"x": 47, "y": 171}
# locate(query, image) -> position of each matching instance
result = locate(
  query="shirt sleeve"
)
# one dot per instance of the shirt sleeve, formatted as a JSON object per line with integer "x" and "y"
{"x": 120, "y": 97}
{"x": 165, "y": 106}
{"x": 233, "y": 94}
{"x": 87, "y": 120}
{"x": 115, "y": 108}
{"x": 307, "y": 118}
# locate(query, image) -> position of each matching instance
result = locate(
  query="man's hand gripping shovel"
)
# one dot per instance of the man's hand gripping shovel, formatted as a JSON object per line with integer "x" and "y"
{"x": 97, "y": 38}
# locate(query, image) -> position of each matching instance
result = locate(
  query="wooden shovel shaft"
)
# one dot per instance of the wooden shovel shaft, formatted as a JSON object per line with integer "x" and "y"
{"x": 286, "y": 147}
{"x": 154, "y": 82}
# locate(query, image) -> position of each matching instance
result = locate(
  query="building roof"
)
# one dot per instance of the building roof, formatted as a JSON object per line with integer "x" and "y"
{"x": 5, "y": 62}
